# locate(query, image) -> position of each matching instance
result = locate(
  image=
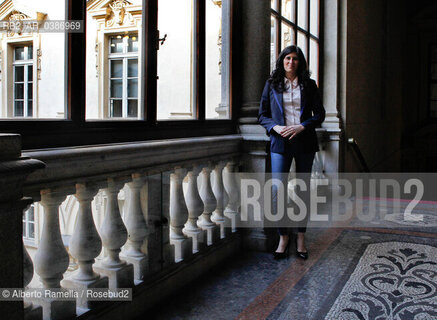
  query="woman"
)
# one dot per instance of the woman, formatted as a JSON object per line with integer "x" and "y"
{"x": 290, "y": 110}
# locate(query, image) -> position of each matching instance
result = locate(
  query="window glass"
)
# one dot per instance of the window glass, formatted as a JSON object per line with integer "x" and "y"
{"x": 217, "y": 57}
{"x": 314, "y": 60}
{"x": 273, "y": 4}
{"x": 19, "y": 108}
{"x": 288, "y": 9}
{"x": 117, "y": 44}
{"x": 116, "y": 68}
{"x": 132, "y": 88}
{"x": 132, "y": 68}
{"x": 19, "y": 73}
{"x": 287, "y": 35}
{"x": 302, "y": 14}
{"x": 132, "y": 44}
{"x": 175, "y": 100}
{"x": 293, "y": 22}
{"x": 113, "y": 61}
{"x": 116, "y": 88}
{"x": 19, "y": 91}
{"x": 30, "y": 52}
{"x": 273, "y": 42}
{"x": 29, "y": 224}
{"x": 33, "y": 64}
{"x": 19, "y": 53}
{"x": 314, "y": 17}
{"x": 302, "y": 43}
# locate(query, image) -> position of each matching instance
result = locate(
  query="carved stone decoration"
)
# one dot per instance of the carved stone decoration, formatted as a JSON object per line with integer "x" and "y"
{"x": 38, "y": 63}
{"x": 18, "y": 22}
{"x": 218, "y": 3}
{"x": 97, "y": 58}
{"x": 116, "y": 13}
{"x": 17, "y": 18}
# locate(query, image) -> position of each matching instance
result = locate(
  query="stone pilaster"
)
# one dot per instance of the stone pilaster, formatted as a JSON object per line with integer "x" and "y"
{"x": 255, "y": 69}
{"x": 13, "y": 172}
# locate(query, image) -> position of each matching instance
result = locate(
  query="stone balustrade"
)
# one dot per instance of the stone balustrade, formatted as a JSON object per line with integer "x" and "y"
{"x": 198, "y": 196}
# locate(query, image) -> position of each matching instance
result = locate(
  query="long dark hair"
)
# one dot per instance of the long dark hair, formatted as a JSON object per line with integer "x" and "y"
{"x": 277, "y": 76}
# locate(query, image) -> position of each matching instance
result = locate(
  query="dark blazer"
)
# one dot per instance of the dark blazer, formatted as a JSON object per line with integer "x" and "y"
{"x": 312, "y": 114}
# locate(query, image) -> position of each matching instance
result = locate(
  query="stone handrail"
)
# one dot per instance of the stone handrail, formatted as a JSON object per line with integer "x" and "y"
{"x": 83, "y": 171}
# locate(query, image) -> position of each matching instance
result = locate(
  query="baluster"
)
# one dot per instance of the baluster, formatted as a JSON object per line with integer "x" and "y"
{"x": 27, "y": 269}
{"x": 230, "y": 183}
{"x": 195, "y": 207}
{"x": 209, "y": 204}
{"x": 51, "y": 259}
{"x": 136, "y": 227}
{"x": 219, "y": 193}
{"x": 30, "y": 311}
{"x": 85, "y": 246}
{"x": 114, "y": 236}
{"x": 178, "y": 215}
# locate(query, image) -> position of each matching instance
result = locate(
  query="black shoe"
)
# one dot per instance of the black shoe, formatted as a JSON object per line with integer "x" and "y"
{"x": 282, "y": 255}
{"x": 302, "y": 255}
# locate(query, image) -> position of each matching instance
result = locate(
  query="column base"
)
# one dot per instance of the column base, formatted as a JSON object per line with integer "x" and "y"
{"x": 83, "y": 302}
{"x": 118, "y": 277}
{"x": 32, "y": 312}
{"x": 219, "y": 220}
{"x": 212, "y": 233}
{"x": 232, "y": 215}
{"x": 196, "y": 238}
{"x": 182, "y": 248}
{"x": 140, "y": 265}
{"x": 53, "y": 309}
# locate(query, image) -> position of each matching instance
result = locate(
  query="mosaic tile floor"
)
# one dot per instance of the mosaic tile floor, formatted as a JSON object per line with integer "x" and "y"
{"x": 351, "y": 274}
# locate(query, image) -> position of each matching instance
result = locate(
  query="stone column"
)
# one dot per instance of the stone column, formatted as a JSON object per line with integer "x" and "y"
{"x": 255, "y": 43}
{"x": 333, "y": 83}
{"x": 255, "y": 66}
{"x": 13, "y": 172}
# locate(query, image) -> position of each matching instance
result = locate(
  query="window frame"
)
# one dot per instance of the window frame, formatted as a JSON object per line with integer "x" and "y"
{"x": 280, "y": 19}
{"x": 124, "y": 57}
{"x": 75, "y": 130}
{"x": 26, "y": 223}
{"x": 25, "y": 63}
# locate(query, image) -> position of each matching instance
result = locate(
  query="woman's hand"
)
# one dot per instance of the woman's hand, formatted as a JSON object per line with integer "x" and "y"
{"x": 279, "y": 128}
{"x": 290, "y": 131}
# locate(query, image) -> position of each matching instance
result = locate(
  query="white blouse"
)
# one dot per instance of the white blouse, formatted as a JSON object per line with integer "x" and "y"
{"x": 291, "y": 102}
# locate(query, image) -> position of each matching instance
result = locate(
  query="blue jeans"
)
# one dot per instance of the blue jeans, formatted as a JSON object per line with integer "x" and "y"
{"x": 281, "y": 163}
